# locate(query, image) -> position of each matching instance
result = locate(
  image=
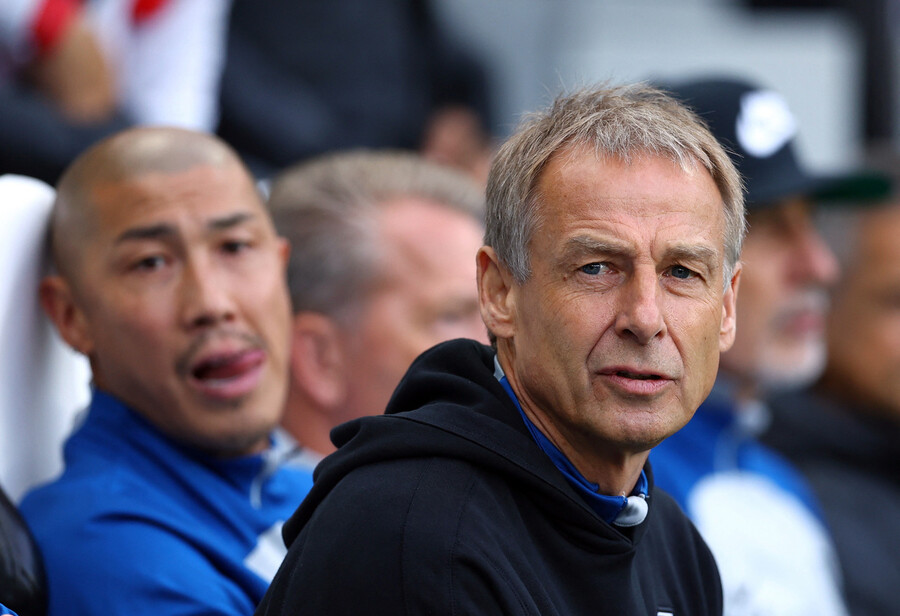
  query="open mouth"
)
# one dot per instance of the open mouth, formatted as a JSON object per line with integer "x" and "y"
{"x": 225, "y": 366}
{"x": 228, "y": 375}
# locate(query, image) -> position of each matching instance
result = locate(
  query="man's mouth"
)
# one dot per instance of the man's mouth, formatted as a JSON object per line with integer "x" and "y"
{"x": 803, "y": 315}
{"x": 636, "y": 382}
{"x": 228, "y": 375}
{"x": 638, "y": 375}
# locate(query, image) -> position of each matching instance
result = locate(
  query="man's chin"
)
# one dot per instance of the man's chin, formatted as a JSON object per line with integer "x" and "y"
{"x": 238, "y": 444}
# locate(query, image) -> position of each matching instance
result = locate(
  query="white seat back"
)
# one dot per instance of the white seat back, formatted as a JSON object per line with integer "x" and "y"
{"x": 43, "y": 383}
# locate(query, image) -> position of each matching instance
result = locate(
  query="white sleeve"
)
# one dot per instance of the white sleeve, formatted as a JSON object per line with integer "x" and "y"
{"x": 173, "y": 64}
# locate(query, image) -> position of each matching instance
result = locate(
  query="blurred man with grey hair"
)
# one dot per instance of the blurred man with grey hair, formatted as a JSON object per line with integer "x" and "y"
{"x": 512, "y": 479}
{"x": 382, "y": 268}
{"x": 843, "y": 432}
{"x": 749, "y": 503}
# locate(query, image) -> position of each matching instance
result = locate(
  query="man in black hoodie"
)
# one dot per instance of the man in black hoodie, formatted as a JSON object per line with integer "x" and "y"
{"x": 513, "y": 479}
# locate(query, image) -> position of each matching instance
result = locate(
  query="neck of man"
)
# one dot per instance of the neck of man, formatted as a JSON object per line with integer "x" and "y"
{"x": 615, "y": 471}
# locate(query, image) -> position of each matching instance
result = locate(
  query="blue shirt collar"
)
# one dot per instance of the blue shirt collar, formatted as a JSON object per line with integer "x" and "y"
{"x": 617, "y": 510}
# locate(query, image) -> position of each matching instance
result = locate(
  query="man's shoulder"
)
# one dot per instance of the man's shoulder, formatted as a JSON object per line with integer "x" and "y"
{"x": 143, "y": 532}
{"x": 114, "y": 498}
{"x": 413, "y": 506}
{"x": 89, "y": 488}
{"x": 141, "y": 567}
{"x": 437, "y": 481}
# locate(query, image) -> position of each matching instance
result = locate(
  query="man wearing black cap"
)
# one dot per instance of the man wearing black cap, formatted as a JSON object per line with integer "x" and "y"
{"x": 752, "y": 507}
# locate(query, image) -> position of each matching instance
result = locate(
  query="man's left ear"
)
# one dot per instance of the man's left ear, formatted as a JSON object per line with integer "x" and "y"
{"x": 729, "y": 310}
{"x": 318, "y": 361}
{"x": 58, "y": 301}
{"x": 284, "y": 250}
{"x": 496, "y": 295}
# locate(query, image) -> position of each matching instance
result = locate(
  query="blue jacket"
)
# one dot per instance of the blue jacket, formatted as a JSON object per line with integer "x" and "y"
{"x": 754, "y": 511}
{"x": 138, "y": 524}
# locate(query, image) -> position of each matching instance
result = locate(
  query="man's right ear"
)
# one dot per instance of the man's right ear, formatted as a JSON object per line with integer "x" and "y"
{"x": 496, "y": 294}
{"x": 59, "y": 304}
{"x": 318, "y": 364}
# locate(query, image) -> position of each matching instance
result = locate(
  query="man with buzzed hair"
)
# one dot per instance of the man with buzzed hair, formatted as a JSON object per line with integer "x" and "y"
{"x": 171, "y": 281}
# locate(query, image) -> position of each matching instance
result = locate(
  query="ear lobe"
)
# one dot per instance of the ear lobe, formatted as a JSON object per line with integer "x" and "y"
{"x": 59, "y": 304}
{"x": 729, "y": 310}
{"x": 317, "y": 359}
{"x": 284, "y": 250}
{"x": 496, "y": 294}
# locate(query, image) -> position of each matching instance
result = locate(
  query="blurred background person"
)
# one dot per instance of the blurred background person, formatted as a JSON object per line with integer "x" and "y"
{"x": 73, "y": 72}
{"x": 50, "y": 45}
{"x": 382, "y": 268}
{"x": 747, "y": 502}
{"x": 167, "y": 56}
{"x": 306, "y": 77}
{"x": 57, "y": 87}
{"x": 843, "y": 433}
{"x": 832, "y": 58}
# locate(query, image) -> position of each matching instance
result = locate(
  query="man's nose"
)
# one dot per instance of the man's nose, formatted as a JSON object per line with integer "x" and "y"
{"x": 813, "y": 260}
{"x": 640, "y": 314}
{"x": 205, "y": 297}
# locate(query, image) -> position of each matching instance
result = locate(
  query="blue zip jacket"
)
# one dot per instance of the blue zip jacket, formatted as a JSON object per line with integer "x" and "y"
{"x": 138, "y": 524}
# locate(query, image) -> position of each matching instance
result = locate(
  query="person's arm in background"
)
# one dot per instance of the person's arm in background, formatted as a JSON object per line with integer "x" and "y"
{"x": 56, "y": 87}
{"x": 59, "y": 56}
{"x": 175, "y": 51}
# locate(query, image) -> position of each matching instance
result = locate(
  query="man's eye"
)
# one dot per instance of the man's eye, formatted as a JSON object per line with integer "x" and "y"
{"x": 151, "y": 263}
{"x": 593, "y": 269}
{"x": 234, "y": 246}
{"x": 681, "y": 272}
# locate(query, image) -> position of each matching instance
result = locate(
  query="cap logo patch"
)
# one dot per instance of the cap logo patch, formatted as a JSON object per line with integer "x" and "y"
{"x": 765, "y": 123}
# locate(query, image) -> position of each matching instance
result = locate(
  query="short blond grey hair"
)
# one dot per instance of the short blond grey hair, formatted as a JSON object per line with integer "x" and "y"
{"x": 326, "y": 208}
{"x": 617, "y": 121}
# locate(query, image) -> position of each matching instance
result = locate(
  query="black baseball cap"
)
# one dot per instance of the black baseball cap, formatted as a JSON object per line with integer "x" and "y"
{"x": 757, "y": 128}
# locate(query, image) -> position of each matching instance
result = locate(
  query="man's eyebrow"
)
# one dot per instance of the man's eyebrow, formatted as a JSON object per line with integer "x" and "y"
{"x": 586, "y": 245}
{"x": 226, "y": 222}
{"x": 164, "y": 230}
{"x": 150, "y": 232}
{"x": 694, "y": 252}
